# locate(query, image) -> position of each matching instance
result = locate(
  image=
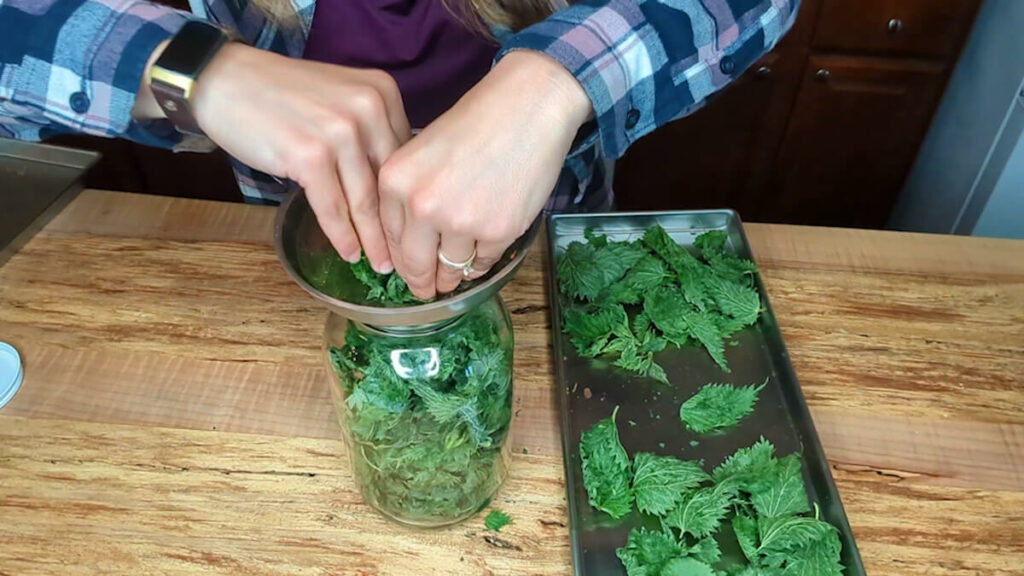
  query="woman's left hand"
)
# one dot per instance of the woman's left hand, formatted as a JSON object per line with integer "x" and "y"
{"x": 476, "y": 177}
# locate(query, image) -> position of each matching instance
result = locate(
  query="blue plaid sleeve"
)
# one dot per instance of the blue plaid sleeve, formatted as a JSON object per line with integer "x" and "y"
{"x": 75, "y": 66}
{"x": 646, "y": 62}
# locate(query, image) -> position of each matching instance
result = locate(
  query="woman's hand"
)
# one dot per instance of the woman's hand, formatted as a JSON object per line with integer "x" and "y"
{"x": 329, "y": 128}
{"x": 477, "y": 176}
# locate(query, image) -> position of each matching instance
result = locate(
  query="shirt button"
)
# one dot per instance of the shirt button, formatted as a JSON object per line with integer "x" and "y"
{"x": 726, "y": 65}
{"x": 79, "y": 102}
{"x": 632, "y": 117}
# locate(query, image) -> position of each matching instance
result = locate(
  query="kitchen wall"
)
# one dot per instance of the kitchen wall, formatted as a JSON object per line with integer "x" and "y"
{"x": 969, "y": 174}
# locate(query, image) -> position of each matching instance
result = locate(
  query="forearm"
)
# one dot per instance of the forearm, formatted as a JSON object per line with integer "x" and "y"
{"x": 76, "y": 65}
{"x": 145, "y": 107}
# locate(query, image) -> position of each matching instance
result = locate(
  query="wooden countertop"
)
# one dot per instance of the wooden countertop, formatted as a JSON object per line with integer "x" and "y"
{"x": 175, "y": 416}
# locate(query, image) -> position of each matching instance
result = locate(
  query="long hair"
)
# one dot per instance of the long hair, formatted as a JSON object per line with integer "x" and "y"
{"x": 478, "y": 15}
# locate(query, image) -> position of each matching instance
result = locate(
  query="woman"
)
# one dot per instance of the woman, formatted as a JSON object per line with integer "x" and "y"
{"x": 570, "y": 86}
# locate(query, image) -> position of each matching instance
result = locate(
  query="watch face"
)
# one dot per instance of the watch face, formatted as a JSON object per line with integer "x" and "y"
{"x": 192, "y": 46}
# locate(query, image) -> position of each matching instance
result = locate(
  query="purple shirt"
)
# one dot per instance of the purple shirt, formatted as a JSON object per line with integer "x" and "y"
{"x": 434, "y": 58}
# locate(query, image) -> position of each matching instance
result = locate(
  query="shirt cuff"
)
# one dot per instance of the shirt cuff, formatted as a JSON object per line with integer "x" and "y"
{"x": 91, "y": 84}
{"x": 645, "y": 64}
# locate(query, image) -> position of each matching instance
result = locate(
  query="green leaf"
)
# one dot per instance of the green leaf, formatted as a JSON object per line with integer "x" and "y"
{"x": 736, "y": 300}
{"x": 783, "y": 492}
{"x": 660, "y": 482}
{"x": 747, "y": 465}
{"x": 718, "y": 406}
{"x": 496, "y": 520}
{"x": 686, "y": 567}
{"x": 699, "y": 512}
{"x": 701, "y": 327}
{"x": 745, "y": 529}
{"x": 590, "y": 329}
{"x": 706, "y": 550}
{"x": 387, "y": 288}
{"x": 677, "y": 257}
{"x": 780, "y": 536}
{"x": 817, "y": 558}
{"x": 578, "y": 274}
{"x": 647, "y": 552}
{"x": 711, "y": 243}
{"x": 606, "y": 468}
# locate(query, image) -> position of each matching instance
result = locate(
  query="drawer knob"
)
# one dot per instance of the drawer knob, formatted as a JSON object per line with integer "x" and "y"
{"x": 823, "y": 74}
{"x": 763, "y": 71}
{"x": 895, "y": 25}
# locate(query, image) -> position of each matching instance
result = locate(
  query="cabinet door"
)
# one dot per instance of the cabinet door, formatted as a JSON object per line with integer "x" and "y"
{"x": 852, "y": 136}
{"x": 711, "y": 158}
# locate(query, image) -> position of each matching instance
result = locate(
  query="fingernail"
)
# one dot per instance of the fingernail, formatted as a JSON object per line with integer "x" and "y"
{"x": 386, "y": 267}
{"x": 353, "y": 257}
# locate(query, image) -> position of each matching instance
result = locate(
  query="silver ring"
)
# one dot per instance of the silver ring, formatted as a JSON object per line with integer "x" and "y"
{"x": 466, "y": 267}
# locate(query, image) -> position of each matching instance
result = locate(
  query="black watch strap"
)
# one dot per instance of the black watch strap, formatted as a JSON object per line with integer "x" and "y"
{"x": 172, "y": 78}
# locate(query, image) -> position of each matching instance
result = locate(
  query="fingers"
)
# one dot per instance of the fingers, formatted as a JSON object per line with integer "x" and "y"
{"x": 360, "y": 186}
{"x": 487, "y": 255}
{"x": 418, "y": 260}
{"x": 388, "y": 89}
{"x": 319, "y": 178}
{"x": 456, "y": 248}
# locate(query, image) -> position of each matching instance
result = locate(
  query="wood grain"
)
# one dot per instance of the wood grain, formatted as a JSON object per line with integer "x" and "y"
{"x": 174, "y": 416}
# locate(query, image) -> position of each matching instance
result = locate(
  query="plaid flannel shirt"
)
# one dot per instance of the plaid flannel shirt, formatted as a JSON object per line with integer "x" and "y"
{"x": 75, "y": 65}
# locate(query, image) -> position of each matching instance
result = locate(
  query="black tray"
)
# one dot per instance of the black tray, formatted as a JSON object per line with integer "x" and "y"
{"x": 590, "y": 389}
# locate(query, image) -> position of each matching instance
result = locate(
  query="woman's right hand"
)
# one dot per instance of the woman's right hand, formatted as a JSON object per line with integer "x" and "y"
{"x": 328, "y": 128}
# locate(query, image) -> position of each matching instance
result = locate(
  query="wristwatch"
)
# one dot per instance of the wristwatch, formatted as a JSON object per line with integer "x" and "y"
{"x": 172, "y": 78}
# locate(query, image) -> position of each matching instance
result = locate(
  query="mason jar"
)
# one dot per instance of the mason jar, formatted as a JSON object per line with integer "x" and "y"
{"x": 425, "y": 411}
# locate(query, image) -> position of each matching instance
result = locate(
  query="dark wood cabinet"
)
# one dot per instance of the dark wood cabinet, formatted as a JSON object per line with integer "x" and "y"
{"x": 821, "y": 131}
{"x": 733, "y": 145}
{"x": 852, "y": 137}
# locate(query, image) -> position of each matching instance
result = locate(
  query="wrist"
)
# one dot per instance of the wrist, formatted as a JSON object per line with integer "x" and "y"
{"x": 556, "y": 84}
{"x": 145, "y": 107}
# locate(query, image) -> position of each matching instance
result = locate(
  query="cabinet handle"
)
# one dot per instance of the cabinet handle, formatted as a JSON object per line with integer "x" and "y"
{"x": 763, "y": 72}
{"x": 822, "y": 74}
{"x": 895, "y": 25}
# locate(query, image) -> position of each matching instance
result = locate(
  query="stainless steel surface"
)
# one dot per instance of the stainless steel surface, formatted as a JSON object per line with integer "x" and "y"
{"x": 589, "y": 389}
{"x": 36, "y": 182}
{"x": 298, "y": 239}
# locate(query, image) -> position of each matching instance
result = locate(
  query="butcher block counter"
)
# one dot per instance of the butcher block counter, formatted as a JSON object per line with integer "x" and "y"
{"x": 175, "y": 416}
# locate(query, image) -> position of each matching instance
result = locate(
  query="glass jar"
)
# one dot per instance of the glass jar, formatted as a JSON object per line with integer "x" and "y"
{"x": 425, "y": 411}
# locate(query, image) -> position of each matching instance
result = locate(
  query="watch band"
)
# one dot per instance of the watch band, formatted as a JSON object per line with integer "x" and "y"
{"x": 172, "y": 78}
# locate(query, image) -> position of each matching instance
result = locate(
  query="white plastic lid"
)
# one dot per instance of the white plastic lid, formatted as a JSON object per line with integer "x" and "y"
{"x": 10, "y": 372}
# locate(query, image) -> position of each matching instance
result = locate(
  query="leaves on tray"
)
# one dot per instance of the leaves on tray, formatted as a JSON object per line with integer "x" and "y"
{"x": 659, "y": 482}
{"x": 716, "y": 407}
{"x": 688, "y": 299}
{"x": 606, "y": 468}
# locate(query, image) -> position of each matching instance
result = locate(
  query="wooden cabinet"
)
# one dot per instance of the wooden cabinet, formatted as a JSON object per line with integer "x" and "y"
{"x": 733, "y": 142}
{"x": 827, "y": 137}
{"x": 852, "y": 137}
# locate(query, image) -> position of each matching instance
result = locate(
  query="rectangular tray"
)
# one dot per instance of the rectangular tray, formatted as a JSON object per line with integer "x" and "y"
{"x": 589, "y": 389}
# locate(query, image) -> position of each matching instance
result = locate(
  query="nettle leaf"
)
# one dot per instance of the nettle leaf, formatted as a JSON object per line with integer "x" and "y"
{"x": 677, "y": 257}
{"x": 701, "y": 327}
{"x": 711, "y": 243}
{"x": 660, "y": 482}
{"x": 648, "y": 551}
{"x": 496, "y": 520}
{"x": 817, "y": 558}
{"x": 687, "y": 567}
{"x": 781, "y": 536}
{"x": 745, "y": 529}
{"x": 706, "y": 550}
{"x": 578, "y": 273}
{"x": 387, "y": 288}
{"x": 783, "y": 492}
{"x": 716, "y": 407}
{"x": 606, "y": 468}
{"x": 735, "y": 300}
{"x": 590, "y": 329}
{"x": 699, "y": 512}
{"x": 747, "y": 465}
{"x": 663, "y": 306}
